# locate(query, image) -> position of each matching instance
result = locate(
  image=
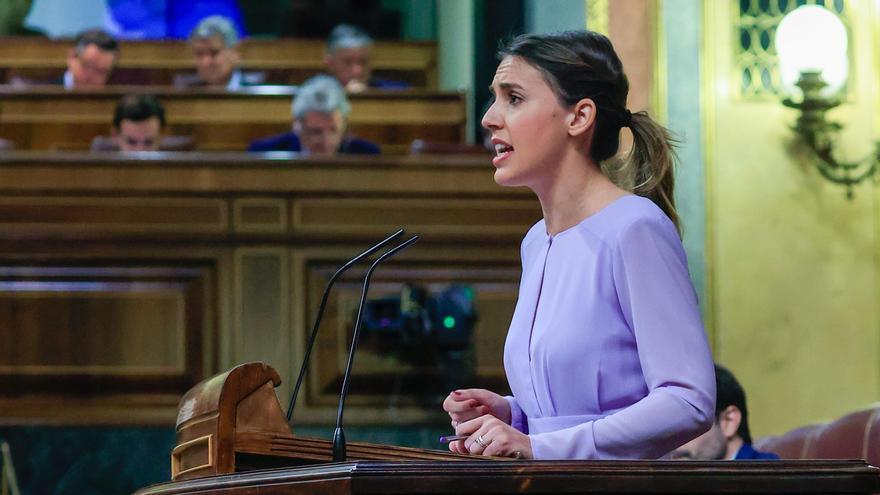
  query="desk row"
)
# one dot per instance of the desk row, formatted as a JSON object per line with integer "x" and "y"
{"x": 50, "y": 118}
{"x": 280, "y": 61}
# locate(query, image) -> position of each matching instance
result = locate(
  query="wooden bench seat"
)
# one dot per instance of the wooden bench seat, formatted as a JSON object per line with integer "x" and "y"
{"x": 51, "y": 118}
{"x": 285, "y": 61}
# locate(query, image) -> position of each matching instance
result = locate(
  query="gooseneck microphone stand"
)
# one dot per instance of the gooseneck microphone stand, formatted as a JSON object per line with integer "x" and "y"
{"x": 313, "y": 336}
{"x": 339, "y": 453}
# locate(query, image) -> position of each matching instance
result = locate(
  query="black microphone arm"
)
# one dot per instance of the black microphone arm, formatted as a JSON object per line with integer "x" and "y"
{"x": 339, "y": 453}
{"x": 313, "y": 336}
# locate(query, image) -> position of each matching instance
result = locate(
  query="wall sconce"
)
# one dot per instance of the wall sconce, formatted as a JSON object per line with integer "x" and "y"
{"x": 811, "y": 42}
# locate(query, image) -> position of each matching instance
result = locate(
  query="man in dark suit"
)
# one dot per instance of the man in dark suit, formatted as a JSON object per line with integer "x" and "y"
{"x": 729, "y": 438}
{"x": 320, "y": 119}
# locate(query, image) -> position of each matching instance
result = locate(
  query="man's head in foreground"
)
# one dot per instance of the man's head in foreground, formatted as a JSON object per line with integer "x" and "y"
{"x": 138, "y": 123}
{"x": 320, "y": 115}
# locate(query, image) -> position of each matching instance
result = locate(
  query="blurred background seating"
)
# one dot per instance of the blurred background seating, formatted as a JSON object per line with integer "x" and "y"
{"x": 424, "y": 147}
{"x": 168, "y": 143}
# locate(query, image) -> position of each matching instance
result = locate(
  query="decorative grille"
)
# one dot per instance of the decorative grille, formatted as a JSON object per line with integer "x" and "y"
{"x": 756, "y": 61}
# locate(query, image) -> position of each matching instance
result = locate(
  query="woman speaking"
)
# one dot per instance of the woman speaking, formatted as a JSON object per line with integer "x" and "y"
{"x": 606, "y": 354}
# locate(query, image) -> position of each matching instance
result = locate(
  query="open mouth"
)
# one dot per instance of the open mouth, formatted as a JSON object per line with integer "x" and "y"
{"x": 502, "y": 151}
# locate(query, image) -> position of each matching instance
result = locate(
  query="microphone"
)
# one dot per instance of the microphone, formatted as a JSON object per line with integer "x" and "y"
{"x": 339, "y": 435}
{"x": 312, "y": 337}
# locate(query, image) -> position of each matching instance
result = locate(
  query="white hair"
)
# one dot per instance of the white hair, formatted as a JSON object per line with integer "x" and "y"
{"x": 322, "y": 94}
{"x": 216, "y": 26}
{"x": 347, "y": 36}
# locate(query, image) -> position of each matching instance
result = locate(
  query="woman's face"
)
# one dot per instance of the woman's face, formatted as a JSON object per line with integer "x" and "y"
{"x": 528, "y": 125}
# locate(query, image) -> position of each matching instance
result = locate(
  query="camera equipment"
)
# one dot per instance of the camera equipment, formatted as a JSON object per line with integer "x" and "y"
{"x": 444, "y": 320}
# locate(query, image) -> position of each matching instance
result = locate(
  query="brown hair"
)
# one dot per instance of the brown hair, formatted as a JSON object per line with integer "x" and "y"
{"x": 583, "y": 64}
{"x": 98, "y": 38}
{"x": 138, "y": 108}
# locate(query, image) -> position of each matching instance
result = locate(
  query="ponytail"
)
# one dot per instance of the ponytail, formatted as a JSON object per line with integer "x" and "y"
{"x": 652, "y": 161}
{"x": 649, "y": 168}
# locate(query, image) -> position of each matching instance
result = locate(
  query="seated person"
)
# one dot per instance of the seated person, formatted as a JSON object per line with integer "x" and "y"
{"x": 214, "y": 44}
{"x": 320, "y": 118}
{"x": 729, "y": 438}
{"x": 91, "y": 60}
{"x": 138, "y": 123}
{"x": 348, "y": 60}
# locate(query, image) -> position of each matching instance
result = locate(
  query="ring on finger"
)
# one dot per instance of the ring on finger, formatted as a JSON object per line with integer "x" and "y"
{"x": 483, "y": 443}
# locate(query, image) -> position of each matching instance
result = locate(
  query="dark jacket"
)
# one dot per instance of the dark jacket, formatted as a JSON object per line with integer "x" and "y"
{"x": 289, "y": 141}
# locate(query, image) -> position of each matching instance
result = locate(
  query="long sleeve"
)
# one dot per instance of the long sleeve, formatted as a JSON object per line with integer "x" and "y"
{"x": 658, "y": 304}
{"x": 518, "y": 418}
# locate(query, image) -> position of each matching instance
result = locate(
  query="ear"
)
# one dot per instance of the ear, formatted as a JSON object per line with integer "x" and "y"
{"x": 71, "y": 54}
{"x": 582, "y": 117}
{"x": 729, "y": 421}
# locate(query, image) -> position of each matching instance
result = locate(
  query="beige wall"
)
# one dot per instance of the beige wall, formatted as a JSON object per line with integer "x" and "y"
{"x": 793, "y": 264}
{"x": 630, "y": 28}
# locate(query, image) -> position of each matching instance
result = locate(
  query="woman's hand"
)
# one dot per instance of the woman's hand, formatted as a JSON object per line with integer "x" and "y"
{"x": 491, "y": 436}
{"x": 467, "y": 404}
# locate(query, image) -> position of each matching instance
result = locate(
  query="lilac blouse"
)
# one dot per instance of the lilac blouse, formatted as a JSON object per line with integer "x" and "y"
{"x": 606, "y": 353}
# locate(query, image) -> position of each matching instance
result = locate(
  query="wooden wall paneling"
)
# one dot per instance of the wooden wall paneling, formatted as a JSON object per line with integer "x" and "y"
{"x": 243, "y": 245}
{"x": 92, "y": 326}
{"x": 99, "y": 336}
{"x": 392, "y": 383}
{"x": 254, "y": 215}
{"x": 133, "y": 215}
{"x": 437, "y": 219}
{"x": 225, "y": 311}
{"x": 262, "y": 295}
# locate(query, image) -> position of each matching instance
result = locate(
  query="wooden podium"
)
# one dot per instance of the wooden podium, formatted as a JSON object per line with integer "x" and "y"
{"x": 232, "y": 438}
{"x": 233, "y": 422}
{"x": 545, "y": 477}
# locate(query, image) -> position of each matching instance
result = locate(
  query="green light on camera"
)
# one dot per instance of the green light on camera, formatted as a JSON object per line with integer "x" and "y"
{"x": 449, "y": 322}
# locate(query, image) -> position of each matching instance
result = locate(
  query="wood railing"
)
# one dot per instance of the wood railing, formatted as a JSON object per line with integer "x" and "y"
{"x": 50, "y": 118}
{"x": 285, "y": 61}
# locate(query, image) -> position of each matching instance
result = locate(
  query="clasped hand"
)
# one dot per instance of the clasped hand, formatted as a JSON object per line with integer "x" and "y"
{"x": 485, "y": 417}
